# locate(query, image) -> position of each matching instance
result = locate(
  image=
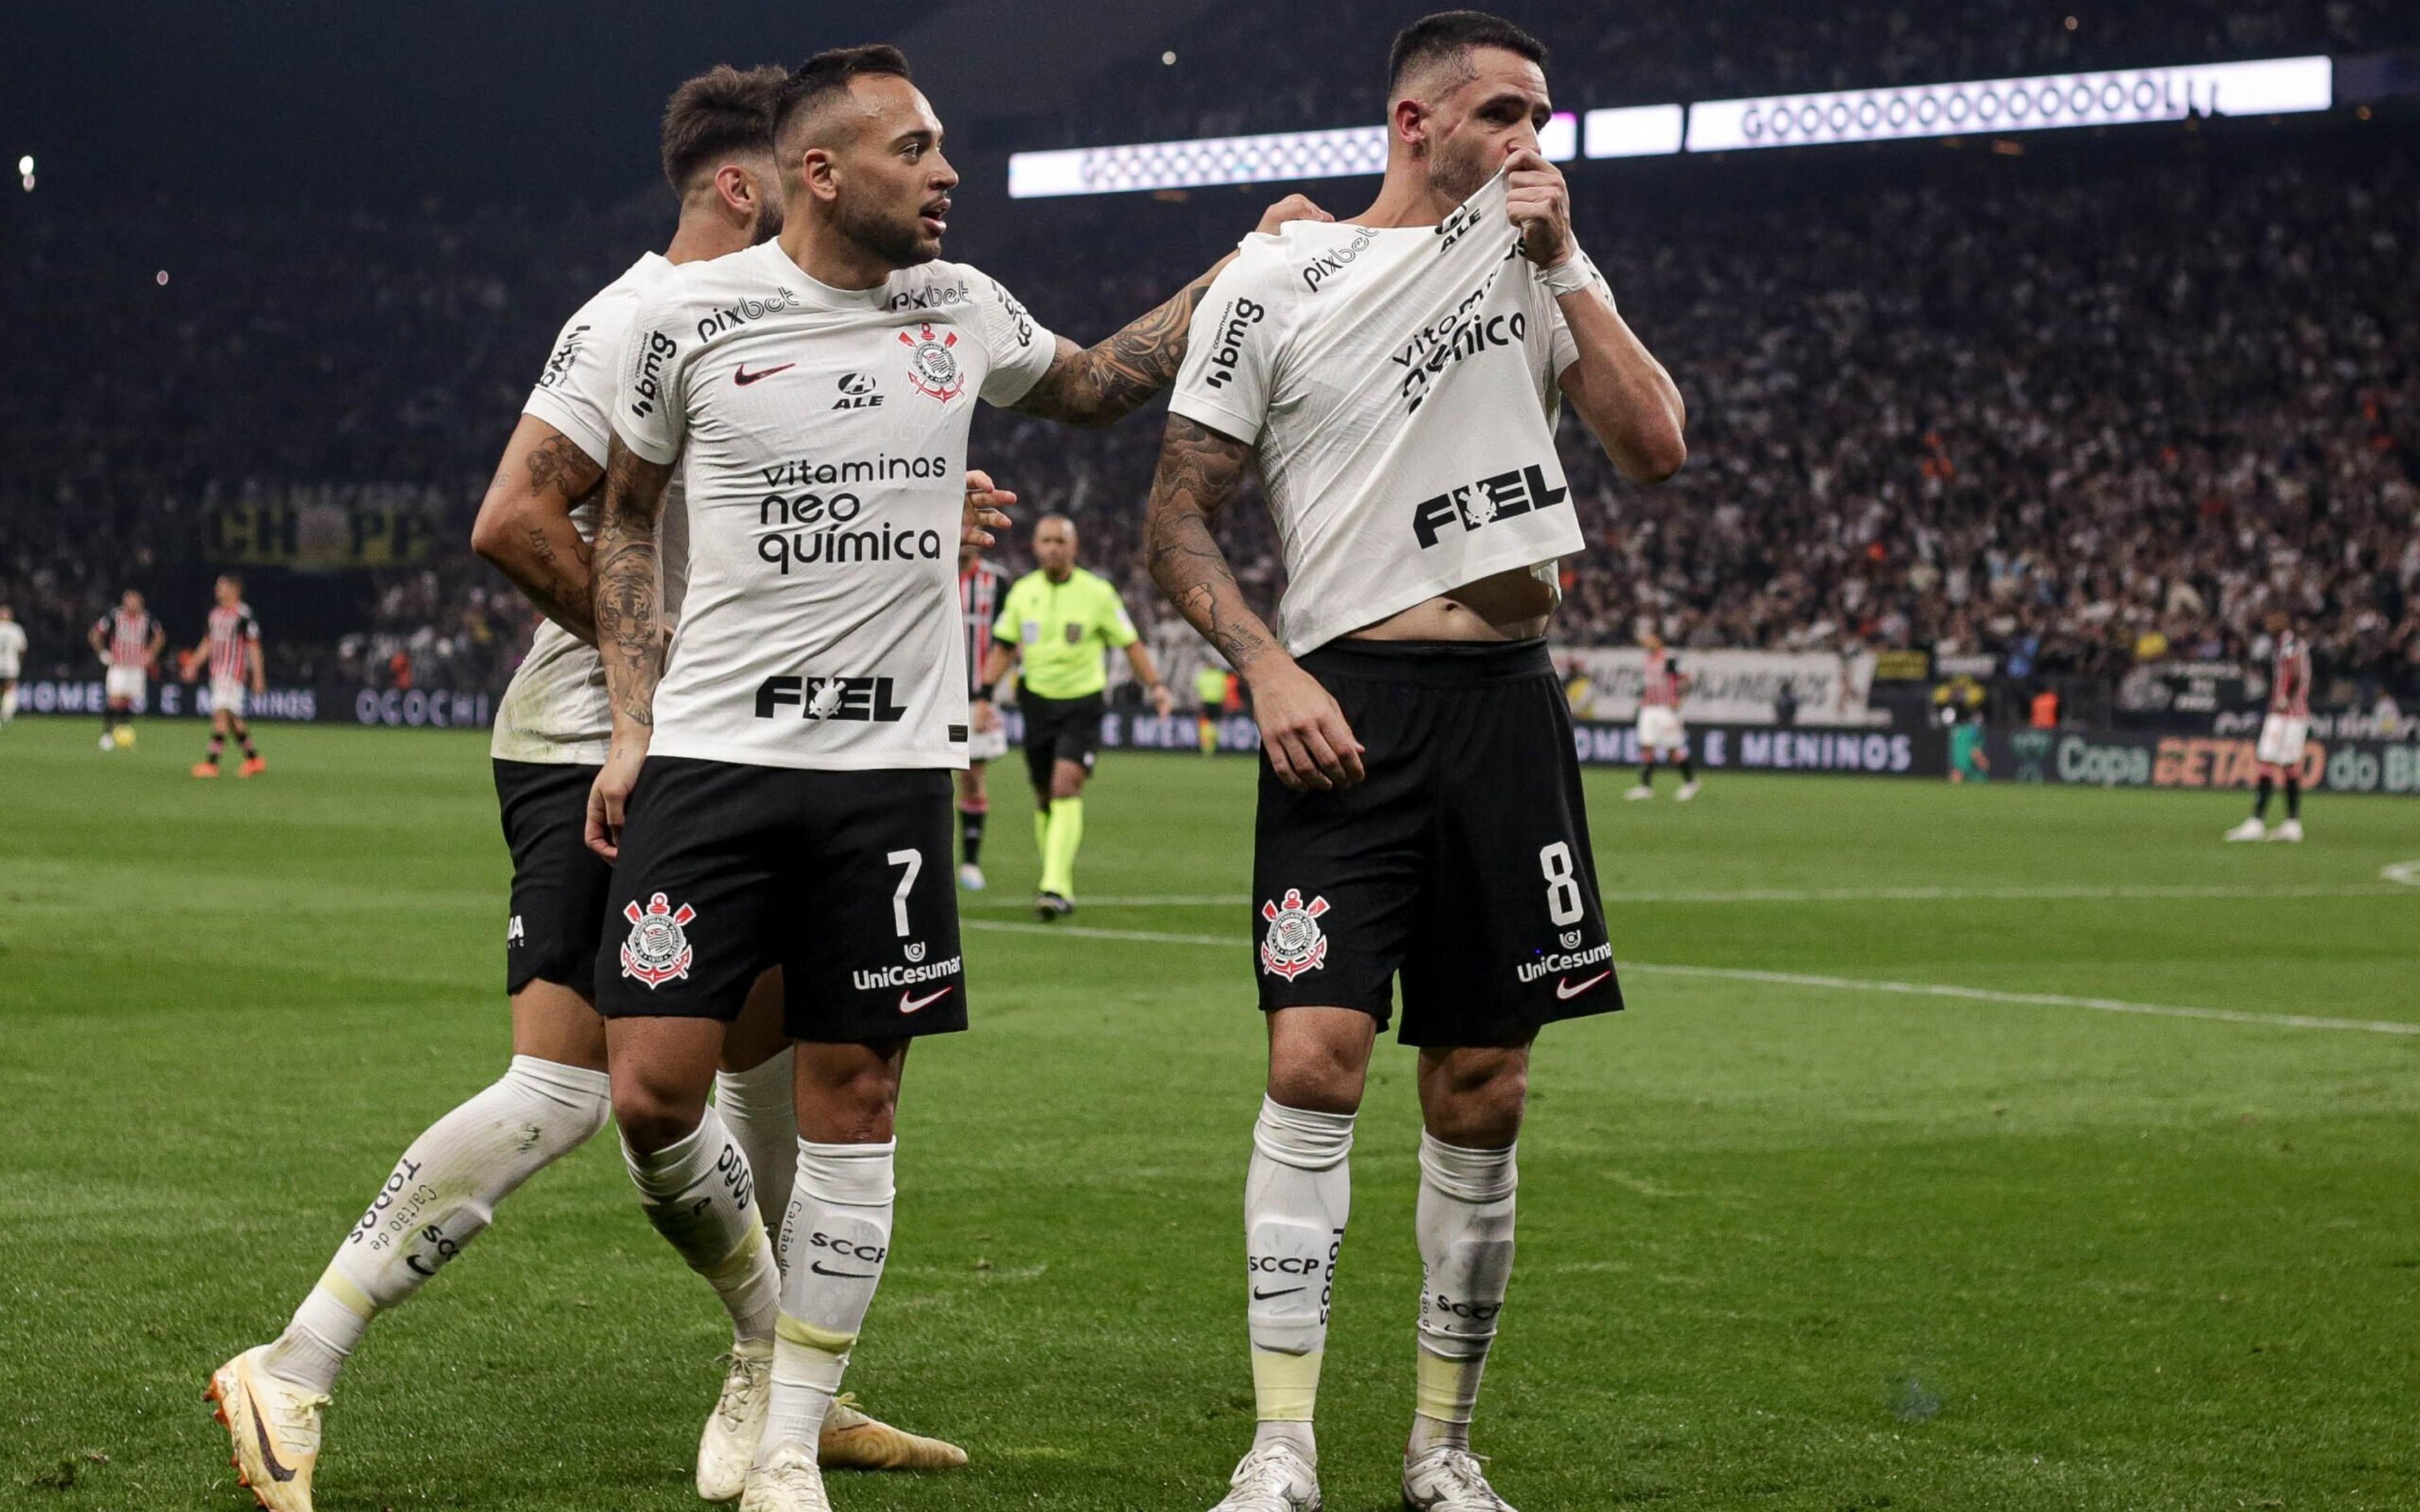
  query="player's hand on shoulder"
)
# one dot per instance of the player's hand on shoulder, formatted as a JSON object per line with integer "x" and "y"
{"x": 1539, "y": 203}
{"x": 986, "y": 509}
{"x": 1310, "y": 745}
{"x": 1292, "y": 208}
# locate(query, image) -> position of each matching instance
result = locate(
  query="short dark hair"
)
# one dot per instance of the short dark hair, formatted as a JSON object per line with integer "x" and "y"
{"x": 1447, "y": 34}
{"x": 722, "y": 111}
{"x": 815, "y": 82}
{"x": 234, "y": 578}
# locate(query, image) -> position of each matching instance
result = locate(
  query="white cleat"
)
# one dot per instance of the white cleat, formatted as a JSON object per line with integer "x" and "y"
{"x": 274, "y": 1425}
{"x": 1641, "y": 791}
{"x": 2291, "y": 832}
{"x": 970, "y": 877}
{"x": 787, "y": 1482}
{"x": 1272, "y": 1478}
{"x": 108, "y": 741}
{"x": 737, "y": 1421}
{"x": 1688, "y": 791}
{"x": 1448, "y": 1480}
{"x": 2249, "y": 830}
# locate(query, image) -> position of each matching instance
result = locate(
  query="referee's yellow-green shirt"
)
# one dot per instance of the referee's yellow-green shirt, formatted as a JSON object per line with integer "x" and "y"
{"x": 1061, "y": 631}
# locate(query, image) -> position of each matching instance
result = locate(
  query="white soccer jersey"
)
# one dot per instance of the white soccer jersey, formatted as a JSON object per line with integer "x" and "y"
{"x": 12, "y": 648}
{"x": 556, "y": 709}
{"x": 1401, "y": 386}
{"x": 822, "y": 438}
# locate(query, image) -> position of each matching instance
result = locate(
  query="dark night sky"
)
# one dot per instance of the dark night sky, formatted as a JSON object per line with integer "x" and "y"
{"x": 538, "y": 101}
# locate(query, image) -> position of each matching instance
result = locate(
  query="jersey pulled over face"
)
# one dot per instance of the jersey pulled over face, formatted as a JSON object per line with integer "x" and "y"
{"x": 556, "y": 709}
{"x": 821, "y": 438}
{"x": 1401, "y": 387}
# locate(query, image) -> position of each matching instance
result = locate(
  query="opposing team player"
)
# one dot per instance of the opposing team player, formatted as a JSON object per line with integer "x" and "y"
{"x": 1061, "y": 621}
{"x": 551, "y": 734}
{"x": 979, "y": 584}
{"x": 1660, "y": 730}
{"x": 1421, "y": 810}
{"x": 792, "y": 765}
{"x": 2284, "y": 730}
{"x": 128, "y": 641}
{"x": 231, "y": 649}
{"x": 12, "y": 662}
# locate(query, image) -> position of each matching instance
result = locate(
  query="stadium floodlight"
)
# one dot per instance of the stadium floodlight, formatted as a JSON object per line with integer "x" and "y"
{"x": 1276, "y": 157}
{"x": 1635, "y": 132}
{"x": 25, "y": 167}
{"x": 2120, "y": 97}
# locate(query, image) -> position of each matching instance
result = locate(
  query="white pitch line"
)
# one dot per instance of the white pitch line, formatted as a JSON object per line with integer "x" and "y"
{"x": 2406, "y": 873}
{"x": 1793, "y": 978}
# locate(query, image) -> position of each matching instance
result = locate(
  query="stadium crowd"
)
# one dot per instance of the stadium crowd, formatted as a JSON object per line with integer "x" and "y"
{"x": 2081, "y": 410}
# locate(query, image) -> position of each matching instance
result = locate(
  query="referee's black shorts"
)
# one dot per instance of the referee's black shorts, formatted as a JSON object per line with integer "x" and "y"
{"x": 1461, "y": 864}
{"x": 1059, "y": 730}
{"x": 559, "y": 883}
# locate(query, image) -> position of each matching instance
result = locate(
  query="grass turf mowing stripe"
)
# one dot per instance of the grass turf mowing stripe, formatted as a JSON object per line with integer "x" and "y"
{"x": 2393, "y": 886}
{"x": 1793, "y": 978}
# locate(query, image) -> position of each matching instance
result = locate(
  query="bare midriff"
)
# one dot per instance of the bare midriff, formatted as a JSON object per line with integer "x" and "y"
{"x": 1513, "y": 605}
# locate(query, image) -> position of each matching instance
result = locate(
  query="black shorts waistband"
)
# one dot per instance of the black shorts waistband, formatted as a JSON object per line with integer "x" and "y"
{"x": 1029, "y": 699}
{"x": 1431, "y": 663}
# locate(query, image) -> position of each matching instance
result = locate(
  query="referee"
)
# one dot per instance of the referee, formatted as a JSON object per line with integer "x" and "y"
{"x": 1060, "y": 619}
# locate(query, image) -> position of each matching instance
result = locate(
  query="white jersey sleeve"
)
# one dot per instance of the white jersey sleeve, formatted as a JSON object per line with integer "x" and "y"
{"x": 575, "y": 392}
{"x": 1020, "y": 350}
{"x": 651, "y": 400}
{"x": 1229, "y": 378}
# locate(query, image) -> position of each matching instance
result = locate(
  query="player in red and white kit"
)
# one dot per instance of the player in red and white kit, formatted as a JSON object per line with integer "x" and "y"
{"x": 1659, "y": 722}
{"x": 2282, "y": 737}
{"x": 980, "y": 586}
{"x": 128, "y": 640}
{"x": 233, "y": 648}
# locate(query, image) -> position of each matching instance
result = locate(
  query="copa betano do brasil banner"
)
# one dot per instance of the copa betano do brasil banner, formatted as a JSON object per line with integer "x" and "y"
{"x": 2138, "y": 758}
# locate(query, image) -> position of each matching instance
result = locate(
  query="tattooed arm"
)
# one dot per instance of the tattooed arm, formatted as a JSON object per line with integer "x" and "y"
{"x": 629, "y": 588}
{"x": 524, "y": 525}
{"x": 1103, "y": 384}
{"x": 1309, "y": 744}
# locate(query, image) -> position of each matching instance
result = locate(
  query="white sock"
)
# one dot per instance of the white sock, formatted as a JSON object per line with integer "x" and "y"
{"x": 439, "y": 1198}
{"x": 1465, "y": 1221}
{"x": 700, "y": 1194}
{"x": 834, "y": 1239}
{"x": 759, "y": 1110}
{"x": 8, "y": 705}
{"x": 1298, "y": 1194}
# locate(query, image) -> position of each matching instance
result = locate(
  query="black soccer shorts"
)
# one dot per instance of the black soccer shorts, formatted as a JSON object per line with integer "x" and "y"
{"x": 1461, "y": 864}
{"x": 842, "y": 879}
{"x": 559, "y": 883}
{"x": 1059, "y": 730}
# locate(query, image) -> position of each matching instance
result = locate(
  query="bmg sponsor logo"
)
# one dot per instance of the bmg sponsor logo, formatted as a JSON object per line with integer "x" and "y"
{"x": 567, "y": 357}
{"x": 1476, "y": 505}
{"x": 659, "y": 352}
{"x": 1234, "y": 323}
{"x": 856, "y": 699}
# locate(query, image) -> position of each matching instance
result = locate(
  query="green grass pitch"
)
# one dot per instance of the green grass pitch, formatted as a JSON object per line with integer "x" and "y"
{"x": 1786, "y": 1242}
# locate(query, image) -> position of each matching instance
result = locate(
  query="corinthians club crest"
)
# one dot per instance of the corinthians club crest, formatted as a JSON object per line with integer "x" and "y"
{"x": 931, "y": 366}
{"x": 657, "y": 950}
{"x": 1293, "y": 943}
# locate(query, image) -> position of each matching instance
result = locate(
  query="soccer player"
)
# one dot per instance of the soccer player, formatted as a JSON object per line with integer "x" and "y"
{"x": 1059, "y": 620}
{"x": 782, "y": 765}
{"x": 551, "y": 734}
{"x": 1210, "y": 694}
{"x": 232, "y": 644}
{"x": 128, "y": 640}
{"x": 1968, "y": 762}
{"x": 1421, "y": 810}
{"x": 1659, "y": 721}
{"x": 979, "y": 585}
{"x": 2283, "y": 733}
{"x": 13, "y": 661}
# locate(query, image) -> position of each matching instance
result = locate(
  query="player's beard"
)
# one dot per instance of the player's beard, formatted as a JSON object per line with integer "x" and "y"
{"x": 1458, "y": 170}
{"x": 769, "y": 224}
{"x": 900, "y": 244}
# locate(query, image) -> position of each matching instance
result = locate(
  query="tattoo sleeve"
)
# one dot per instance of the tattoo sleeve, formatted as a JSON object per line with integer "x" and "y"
{"x": 532, "y": 539}
{"x": 1198, "y": 472}
{"x": 1101, "y": 385}
{"x": 628, "y": 585}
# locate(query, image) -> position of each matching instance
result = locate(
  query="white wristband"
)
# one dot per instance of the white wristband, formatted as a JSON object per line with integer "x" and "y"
{"x": 1569, "y": 276}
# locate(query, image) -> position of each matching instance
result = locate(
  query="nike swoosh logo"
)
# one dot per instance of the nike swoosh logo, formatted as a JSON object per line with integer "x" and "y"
{"x": 260, "y": 1431}
{"x": 817, "y": 1267}
{"x": 743, "y": 377}
{"x": 909, "y": 1005}
{"x": 1566, "y": 992}
{"x": 1258, "y": 1295}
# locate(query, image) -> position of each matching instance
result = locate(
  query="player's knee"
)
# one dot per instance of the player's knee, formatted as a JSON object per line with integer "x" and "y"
{"x": 652, "y": 1117}
{"x": 849, "y": 1098}
{"x": 1319, "y": 1078}
{"x": 1475, "y": 1098}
